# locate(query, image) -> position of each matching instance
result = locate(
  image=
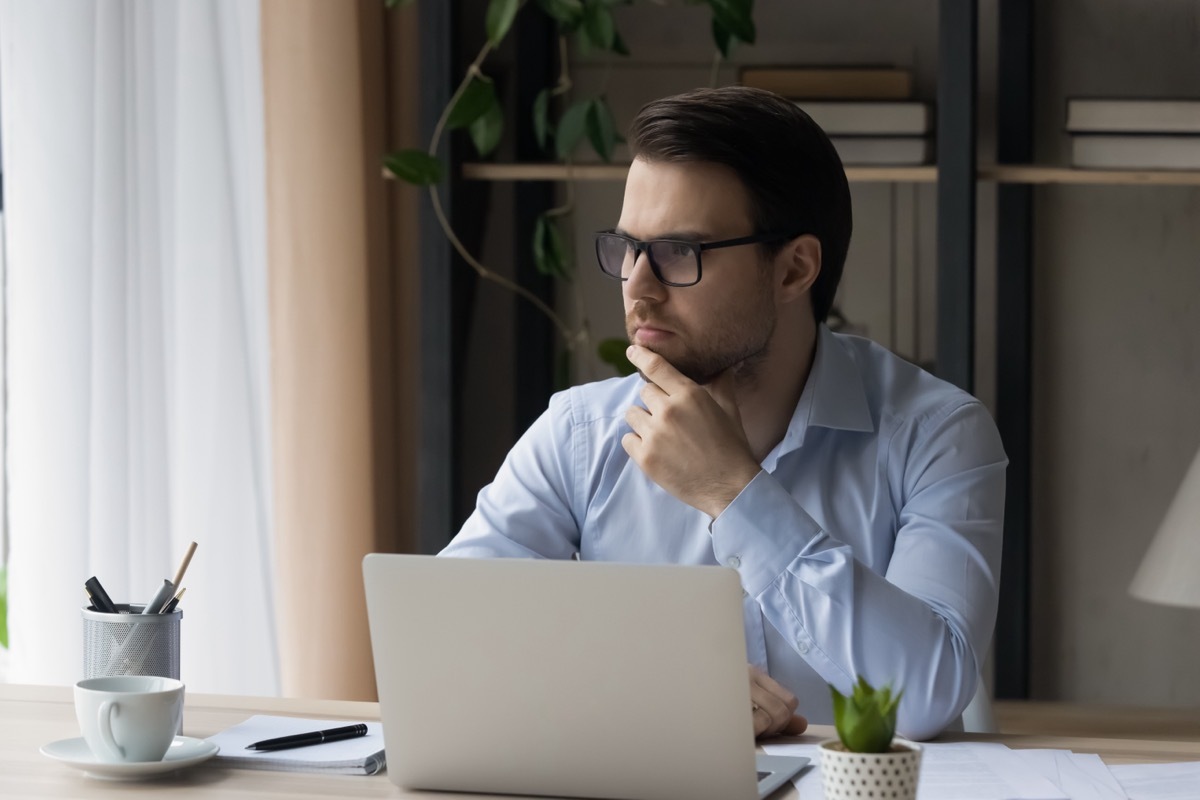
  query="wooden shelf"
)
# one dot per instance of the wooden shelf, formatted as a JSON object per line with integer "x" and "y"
{"x": 999, "y": 173}
{"x": 1035, "y": 173}
{"x": 616, "y": 172}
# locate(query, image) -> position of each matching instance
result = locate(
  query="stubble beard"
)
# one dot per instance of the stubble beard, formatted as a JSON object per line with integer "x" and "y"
{"x": 741, "y": 345}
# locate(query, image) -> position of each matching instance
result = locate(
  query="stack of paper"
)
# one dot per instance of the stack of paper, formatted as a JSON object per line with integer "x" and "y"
{"x": 362, "y": 755}
{"x": 988, "y": 771}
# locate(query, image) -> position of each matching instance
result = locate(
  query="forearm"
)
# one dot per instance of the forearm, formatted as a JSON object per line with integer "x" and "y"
{"x": 909, "y": 628}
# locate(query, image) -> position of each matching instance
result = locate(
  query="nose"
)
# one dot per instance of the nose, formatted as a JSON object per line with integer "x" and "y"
{"x": 641, "y": 282}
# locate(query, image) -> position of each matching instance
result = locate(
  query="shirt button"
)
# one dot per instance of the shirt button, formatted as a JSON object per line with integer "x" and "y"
{"x": 734, "y": 562}
{"x": 802, "y": 647}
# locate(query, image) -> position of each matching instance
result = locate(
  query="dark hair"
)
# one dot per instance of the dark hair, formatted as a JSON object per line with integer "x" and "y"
{"x": 788, "y": 165}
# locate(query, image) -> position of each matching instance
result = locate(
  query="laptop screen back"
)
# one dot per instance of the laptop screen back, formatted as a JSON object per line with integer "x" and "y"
{"x": 562, "y": 678}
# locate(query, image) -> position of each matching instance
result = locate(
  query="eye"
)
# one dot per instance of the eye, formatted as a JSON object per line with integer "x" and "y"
{"x": 678, "y": 250}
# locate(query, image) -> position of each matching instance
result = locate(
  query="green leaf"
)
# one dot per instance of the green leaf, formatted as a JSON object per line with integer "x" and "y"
{"x": 568, "y": 13}
{"x": 473, "y": 103}
{"x": 4, "y": 608}
{"x": 548, "y": 252}
{"x": 723, "y": 38}
{"x": 612, "y": 352}
{"x": 571, "y": 128}
{"x": 598, "y": 25}
{"x": 601, "y": 128}
{"x": 500, "y": 16}
{"x": 618, "y": 46}
{"x": 562, "y": 374}
{"x": 541, "y": 118}
{"x": 486, "y": 130}
{"x": 866, "y": 720}
{"x": 414, "y": 166}
{"x": 735, "y": 16}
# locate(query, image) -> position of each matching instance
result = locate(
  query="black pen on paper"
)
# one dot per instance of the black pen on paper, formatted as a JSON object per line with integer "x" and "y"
{"x": 310, "y": 738}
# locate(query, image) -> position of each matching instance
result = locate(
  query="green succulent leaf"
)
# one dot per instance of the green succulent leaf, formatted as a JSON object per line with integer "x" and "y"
{"x": 549, "y": 255}
{"x": 571, "y": 128}
{"x": 612, "y": 352}
{"x": 866, "y": 720}
{"x": 499, "y": 20}
{"x": 568, "y": 13}
{"x": 414, "y": 166}
{"x": 486, "y": 130}
{"x": 601, "y": 128}
{"x": 473, "y": 103}
{"x": 735, "y": 16}
{"x": 541, "y": 118}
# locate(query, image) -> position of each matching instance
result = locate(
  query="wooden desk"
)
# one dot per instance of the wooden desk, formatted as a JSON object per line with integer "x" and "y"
{"x": 31, "y": 716}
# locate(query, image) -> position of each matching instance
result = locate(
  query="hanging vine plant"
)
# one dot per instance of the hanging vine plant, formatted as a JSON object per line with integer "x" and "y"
{"x": 561, "y": 122}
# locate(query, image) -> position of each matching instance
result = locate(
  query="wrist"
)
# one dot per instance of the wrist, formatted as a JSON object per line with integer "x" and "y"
{"x": 728, "y": 488}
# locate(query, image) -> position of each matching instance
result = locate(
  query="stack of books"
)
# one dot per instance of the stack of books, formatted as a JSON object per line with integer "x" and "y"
{"x": 1134, "y": 134}
{"x": 868, "y": 112}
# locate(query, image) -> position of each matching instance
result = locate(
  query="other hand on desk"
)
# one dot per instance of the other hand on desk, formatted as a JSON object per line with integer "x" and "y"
{"x": 773, "y": 707}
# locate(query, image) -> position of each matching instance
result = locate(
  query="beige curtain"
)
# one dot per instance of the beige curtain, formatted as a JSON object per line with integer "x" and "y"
{"x": 341, "y": 299}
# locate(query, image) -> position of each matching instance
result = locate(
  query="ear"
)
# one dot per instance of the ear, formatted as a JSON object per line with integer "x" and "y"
{"x": 797, "y": 267}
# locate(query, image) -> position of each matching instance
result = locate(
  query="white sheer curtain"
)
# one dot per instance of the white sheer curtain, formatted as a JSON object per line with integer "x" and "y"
{"x": 138, "y": 369}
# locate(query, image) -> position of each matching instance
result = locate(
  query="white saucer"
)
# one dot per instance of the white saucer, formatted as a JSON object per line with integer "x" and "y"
{"x": 183, "y": 752}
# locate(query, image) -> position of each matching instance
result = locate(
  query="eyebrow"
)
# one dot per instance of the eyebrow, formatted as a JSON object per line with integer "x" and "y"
{"x": 685, "y": 235}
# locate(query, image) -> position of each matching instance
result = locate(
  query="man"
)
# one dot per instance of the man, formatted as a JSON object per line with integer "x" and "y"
{"x": 859, "y": 498}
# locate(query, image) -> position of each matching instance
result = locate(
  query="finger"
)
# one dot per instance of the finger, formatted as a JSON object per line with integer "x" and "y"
{"x": 775, "y": 710}
{"x": 774, "y": 688}
{"x": 795, "y": 726}
{"x": 762, "y": 720}
{"x": 657, "y": 369}
{"x": 654, "y": 397}
{"x": 637, "y": 418}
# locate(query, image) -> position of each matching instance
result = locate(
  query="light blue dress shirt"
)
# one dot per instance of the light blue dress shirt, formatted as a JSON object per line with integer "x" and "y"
{"x": 869, "y": 544}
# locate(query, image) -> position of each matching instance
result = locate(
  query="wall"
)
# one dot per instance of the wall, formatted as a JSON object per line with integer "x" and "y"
{"x": 1117, "y": 367}
{"x": 1117, "y": 290}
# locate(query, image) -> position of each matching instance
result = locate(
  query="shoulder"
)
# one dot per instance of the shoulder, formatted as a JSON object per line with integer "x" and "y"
{"x": 901, "y": 392}
{"x": 600, "y": 402}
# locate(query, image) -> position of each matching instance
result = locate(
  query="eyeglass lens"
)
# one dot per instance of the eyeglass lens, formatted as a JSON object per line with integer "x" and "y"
{"x": 673, "y": 262}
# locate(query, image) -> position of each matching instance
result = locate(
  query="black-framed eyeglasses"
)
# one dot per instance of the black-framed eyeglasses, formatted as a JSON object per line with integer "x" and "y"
{"x": 675, "y": 262}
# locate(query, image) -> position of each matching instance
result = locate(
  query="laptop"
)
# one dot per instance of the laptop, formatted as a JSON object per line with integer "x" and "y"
{"x": 565, "y": 678}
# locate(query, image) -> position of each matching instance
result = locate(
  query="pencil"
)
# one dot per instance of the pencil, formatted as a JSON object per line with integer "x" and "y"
{"x": 187, "y": 559}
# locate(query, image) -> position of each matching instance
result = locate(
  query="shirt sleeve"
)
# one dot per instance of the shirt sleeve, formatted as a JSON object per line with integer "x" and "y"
{"x": 924, "y": 625}
{"x": 526, "y": 512}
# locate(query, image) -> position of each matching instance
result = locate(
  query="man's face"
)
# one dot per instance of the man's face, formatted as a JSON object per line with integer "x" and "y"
{"x": 726, "y": 320}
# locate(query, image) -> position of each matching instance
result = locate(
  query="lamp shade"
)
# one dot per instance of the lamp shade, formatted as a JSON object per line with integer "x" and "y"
{"x": 1170, "y": 570}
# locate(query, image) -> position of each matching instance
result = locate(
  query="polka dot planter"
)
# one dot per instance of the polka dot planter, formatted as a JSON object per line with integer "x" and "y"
{"x": 870, "y": 776}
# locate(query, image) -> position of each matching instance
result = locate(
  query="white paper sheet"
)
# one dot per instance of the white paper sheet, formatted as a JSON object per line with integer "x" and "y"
{"x": 950, "y": 771}
{"x": 1081, "y": 776}
{"x": 1159, "y": 781}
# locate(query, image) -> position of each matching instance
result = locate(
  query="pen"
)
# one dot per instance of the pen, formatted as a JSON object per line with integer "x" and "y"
{"x": 100, "y": 599}
{"x": 165, "y": 593}
{"x": 169, "y": 607}
{"x": 313, "y": 737}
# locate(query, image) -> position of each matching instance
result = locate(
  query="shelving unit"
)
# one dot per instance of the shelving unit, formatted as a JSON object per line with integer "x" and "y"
{"x": 956, "y": 176}
{"x": 996, "y": 173}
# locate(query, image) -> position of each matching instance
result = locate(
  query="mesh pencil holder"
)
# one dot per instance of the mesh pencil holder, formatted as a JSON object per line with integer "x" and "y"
{"x": 130, "y": 643}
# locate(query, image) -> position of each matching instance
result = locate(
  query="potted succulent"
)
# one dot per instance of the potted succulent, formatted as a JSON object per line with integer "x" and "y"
{"x": 867, "y": 760}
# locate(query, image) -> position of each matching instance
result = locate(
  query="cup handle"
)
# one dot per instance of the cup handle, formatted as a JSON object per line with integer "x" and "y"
{"x": 104, "y": 725}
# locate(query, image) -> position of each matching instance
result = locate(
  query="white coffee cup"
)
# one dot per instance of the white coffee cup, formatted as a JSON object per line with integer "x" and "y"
{"x": 129, "y": 718}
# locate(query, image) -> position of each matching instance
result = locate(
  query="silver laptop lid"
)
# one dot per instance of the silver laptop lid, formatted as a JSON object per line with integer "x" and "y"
{"x": 562, "y": 678}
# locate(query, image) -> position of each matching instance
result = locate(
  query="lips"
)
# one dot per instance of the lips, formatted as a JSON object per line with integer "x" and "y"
{"x": 645, "y": 335}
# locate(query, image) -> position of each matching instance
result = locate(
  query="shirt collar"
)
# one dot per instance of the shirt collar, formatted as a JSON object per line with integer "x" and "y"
{"x": 833, "y": 396}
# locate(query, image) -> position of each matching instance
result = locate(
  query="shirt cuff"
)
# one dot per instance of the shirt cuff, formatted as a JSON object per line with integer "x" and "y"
{"x": 761, "y": 533}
